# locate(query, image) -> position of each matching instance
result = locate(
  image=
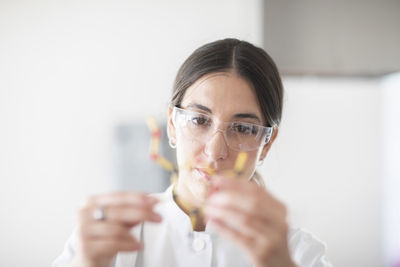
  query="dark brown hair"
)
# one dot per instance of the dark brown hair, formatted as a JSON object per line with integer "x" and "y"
{"x": 248, "y": 61}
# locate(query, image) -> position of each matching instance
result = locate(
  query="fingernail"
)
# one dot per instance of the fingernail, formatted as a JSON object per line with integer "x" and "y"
{"x": 217, "y": 181}
{"x": 156, "y": 217}
{"x": 214, "y": 188}
{"x": 209, "y": 210}
{"x": 151, "y": 200}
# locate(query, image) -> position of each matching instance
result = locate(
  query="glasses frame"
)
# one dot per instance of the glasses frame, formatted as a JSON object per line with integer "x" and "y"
{"x": 268, "y": 131}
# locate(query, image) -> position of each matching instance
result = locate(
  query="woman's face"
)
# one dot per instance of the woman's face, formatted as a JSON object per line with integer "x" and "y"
{"x": 225, "y": 97}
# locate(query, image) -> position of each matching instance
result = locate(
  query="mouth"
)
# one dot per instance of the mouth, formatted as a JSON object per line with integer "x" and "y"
{"x": 204, "y": 173}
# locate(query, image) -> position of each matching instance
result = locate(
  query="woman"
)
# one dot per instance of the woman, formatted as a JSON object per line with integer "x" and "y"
{"x": 227, "y": 99}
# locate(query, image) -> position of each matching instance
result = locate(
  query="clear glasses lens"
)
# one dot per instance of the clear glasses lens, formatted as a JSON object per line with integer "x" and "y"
{"x": 239, "y": 136}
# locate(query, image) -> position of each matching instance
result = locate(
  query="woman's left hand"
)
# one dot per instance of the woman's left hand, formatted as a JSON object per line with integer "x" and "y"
{"x": 251, "y": 217}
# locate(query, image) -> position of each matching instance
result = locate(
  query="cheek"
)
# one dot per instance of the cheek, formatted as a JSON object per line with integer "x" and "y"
{"x": 187, "y": 150}
{"x": 250, "y": 164}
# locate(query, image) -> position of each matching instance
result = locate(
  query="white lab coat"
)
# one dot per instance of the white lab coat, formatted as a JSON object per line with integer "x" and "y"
{"x": 168, "y": 244}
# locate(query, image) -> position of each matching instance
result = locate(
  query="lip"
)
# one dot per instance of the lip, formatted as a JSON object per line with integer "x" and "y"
{"x": 203, "y": 174}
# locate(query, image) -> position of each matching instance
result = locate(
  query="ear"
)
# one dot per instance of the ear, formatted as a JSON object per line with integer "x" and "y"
{"x": 171, "y": 132}
{"x": 269, "y": 144}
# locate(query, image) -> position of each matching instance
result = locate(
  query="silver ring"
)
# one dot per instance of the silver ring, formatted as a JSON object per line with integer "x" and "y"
{"x": 99, "y": 214}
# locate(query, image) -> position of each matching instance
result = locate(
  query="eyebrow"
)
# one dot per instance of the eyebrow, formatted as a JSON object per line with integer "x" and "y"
{"x": 247, "y": 116}
{"x": 236, "y": 116}
{"x": 201, "y": 107}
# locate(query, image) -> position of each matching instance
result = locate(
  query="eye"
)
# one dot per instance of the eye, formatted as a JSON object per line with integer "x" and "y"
{"x": 199, "y": 120}
{"x": 245, "y": 128}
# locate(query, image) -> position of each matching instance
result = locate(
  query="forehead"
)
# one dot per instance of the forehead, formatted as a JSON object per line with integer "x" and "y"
{"x": 224, "y": 93}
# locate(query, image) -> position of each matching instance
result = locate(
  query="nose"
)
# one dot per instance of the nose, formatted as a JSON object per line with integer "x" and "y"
{"x": 216, "y": 147}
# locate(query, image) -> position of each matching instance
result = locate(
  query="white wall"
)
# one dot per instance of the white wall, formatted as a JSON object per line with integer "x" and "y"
{"x": 391, "y": 169}
{"x": 325, "y": 165}
{"x": 69, "y": 71}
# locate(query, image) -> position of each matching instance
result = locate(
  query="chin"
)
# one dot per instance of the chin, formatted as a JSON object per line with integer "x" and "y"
{"x": 200, "y": 191}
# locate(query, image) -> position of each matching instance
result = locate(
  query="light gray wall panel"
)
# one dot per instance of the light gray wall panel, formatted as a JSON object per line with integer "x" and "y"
{"x": 333, "y": 37}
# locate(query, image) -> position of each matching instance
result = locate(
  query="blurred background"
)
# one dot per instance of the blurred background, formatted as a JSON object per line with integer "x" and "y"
{"x": 78, "y": 77}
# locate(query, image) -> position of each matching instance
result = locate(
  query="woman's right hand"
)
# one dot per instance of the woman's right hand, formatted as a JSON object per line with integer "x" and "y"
{"x": 101, "y": 240}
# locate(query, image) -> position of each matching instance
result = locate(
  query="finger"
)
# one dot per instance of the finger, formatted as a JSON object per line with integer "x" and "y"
{"x": 106, "y": 230}
{"x": 257, "y": 247}
{"x": 244, "y": 223}
{"x": 127, "y": 215}
{"x": 122, "y": 198}
{"x": 256, "y": 204}
{"x": 243, "y": 241}
{"x": 110, "y": 247}
{"x": 245, "y": 187}
{"x": 249, "y": 227}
